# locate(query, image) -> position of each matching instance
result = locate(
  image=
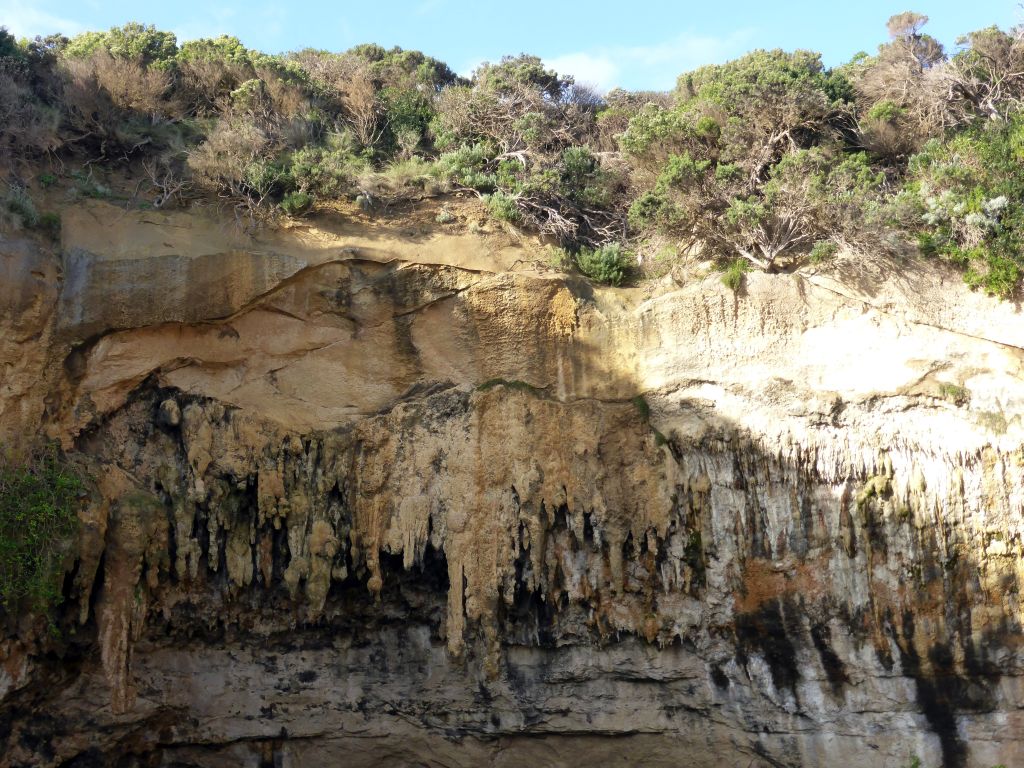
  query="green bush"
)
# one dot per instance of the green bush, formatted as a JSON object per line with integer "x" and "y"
{"x": 467, "y": 167}
{"x": 609, "y": 264}
{"x": 224, "y": 49}
{"x": 296, "y": 203}
{"x": 733, "y": 274}
{"x": 37, "y": 519}
{"x": 954, "y": 393}
{"x": 49, "y": 224}
{"x": 86, "y": 185}
{"x": 21, "y": 205}
{"x": 328, "y": 171}
{"x": 503, "y": 206}
{"x": 823, "y": 250}
{"x": 642, "y": 407}
{"x": 9, "y": 47}
{"x": 133, "y": 41}
{"x": 964, "y": 198}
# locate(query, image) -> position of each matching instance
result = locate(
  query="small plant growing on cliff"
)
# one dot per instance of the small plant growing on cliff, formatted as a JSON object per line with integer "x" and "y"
{"x": 609, "y": 264}
{"x": 20, "y": 211}
{"x": 993, "y": 421}
{"x": 37, "y": 518}
{"x": 640, "y": 403}
{"x": 821, "y": 251}
{"x": 49, "y": 224}
{"x": 733, "y": 274}
{"x": 503, "y": 206}
{"x": 957, "y": 395}
{"x": 297, "y": 203}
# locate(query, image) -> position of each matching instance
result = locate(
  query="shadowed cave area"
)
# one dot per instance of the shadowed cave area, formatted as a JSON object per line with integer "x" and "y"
{"x": 569, "y": 658}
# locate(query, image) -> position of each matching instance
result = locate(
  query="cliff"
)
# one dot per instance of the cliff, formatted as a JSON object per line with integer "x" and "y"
{"x": 386, "y": 492}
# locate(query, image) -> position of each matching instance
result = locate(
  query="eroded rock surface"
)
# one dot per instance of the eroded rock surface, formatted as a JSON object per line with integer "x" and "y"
{"x": 362, "y": 497}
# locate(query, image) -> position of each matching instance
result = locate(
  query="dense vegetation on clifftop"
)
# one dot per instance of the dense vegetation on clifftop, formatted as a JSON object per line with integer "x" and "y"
{"x": 769, "y": 161}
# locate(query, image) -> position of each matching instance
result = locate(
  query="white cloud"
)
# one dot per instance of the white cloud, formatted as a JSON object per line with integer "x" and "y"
{"x": 653, "y": 67}
{"x": 23, "y": 20}
{"x": 597, "y": 70}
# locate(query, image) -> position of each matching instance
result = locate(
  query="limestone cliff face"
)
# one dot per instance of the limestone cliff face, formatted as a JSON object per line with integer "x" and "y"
{"x": 364, "y": 494}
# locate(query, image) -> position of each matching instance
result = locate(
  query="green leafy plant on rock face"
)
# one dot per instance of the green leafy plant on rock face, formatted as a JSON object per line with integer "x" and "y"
{"x": 503, "y": 206}
{"x": 21, "y": 207}
{"x": 965, "y": 195}
{"x": 296, "y": 203}
{"x": 955, "y": 394}
{"x": 38, "y": 498}
{"x": 49, "y": 224}
{"x": 732, "y": 275}
{"x": 608, "y": 264}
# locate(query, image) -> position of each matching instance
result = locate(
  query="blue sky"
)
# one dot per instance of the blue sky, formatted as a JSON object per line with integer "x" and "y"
{"x": 631, "y": 43}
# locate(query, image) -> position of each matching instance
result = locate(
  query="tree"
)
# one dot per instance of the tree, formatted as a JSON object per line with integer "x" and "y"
{"x": 986, "y": 78}
{"x": 235, "y": 162}
{"x": 899, "y": 91}
{"x": 760, "y": 105}
{"x": 9, "y": 47}
{"x": 513, "y": 73}
{"x": 209, "y": 69}
{"x": 134, "y": 41}
{"x": 734, "y": 166}
{"x": 963, "y": 200}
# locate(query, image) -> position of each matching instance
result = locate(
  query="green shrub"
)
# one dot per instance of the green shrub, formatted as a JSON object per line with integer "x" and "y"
{"x": 609, "y": 264}
{"x": 733, "y": 274}
{"x": 401, "y": 180}
{"x": 823, "y": 250}
{"x": 467, "y": 167}
{"x": 584, "y": 180}
{"x": 37, "y": 519}
{"x": 886, "y": 111}
{"x": 225, "y": 49}
{"x": 503, "y": 206}
{"x": 993, "y": 421}
{"x": 133, "y": 41}
{"x": 558, "y": 258}
{"x": 642, "y": 407}
{"x": 250, "y": 95}
{"x": 21, "y": 205}
{"x": 9, "y": 47}
{"x": 296, "y": 203}
{"x": 49, "y": 224}
{"x": 89, "y": 187}
{"x": 963, "y": 200}
{"x": 954, "y": 394}
{"x": 326, "y": 171}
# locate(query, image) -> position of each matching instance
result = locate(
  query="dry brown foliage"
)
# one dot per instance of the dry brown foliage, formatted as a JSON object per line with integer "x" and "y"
{"x": 127, "y": 84}
{"x": 348, "y": 81}
{"x": 224, "y": 162}
{"x": 206, "y": 84}
{"x": 26, "y": 127}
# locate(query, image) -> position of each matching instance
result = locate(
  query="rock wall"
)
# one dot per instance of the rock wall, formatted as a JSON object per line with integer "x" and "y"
{"x": 369, "y": 496}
